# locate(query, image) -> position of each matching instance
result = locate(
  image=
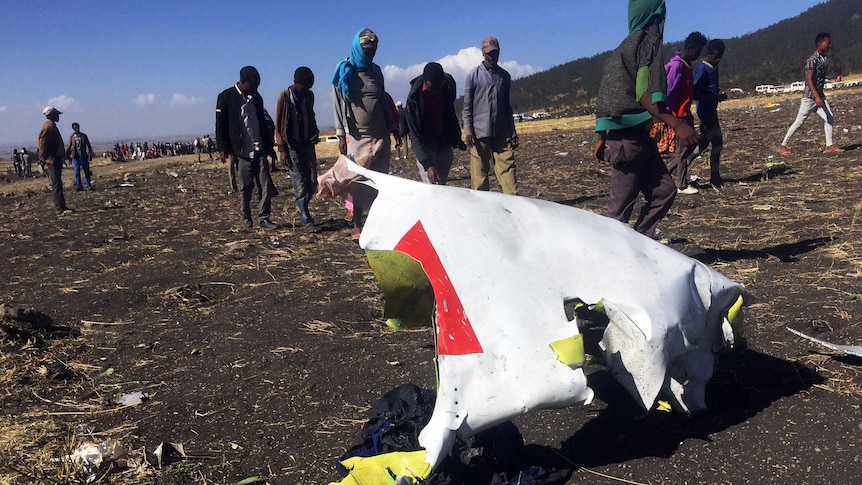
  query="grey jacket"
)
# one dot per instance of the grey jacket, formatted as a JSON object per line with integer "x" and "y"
{"x": 487, "y": 109}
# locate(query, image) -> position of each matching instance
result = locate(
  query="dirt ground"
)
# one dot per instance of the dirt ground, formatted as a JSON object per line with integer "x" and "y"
{"x": 261, "y": 352}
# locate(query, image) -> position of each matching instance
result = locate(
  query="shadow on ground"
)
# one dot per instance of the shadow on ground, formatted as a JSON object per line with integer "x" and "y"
{"x": 746, "y": 383}
{"x": 786, "y": 253}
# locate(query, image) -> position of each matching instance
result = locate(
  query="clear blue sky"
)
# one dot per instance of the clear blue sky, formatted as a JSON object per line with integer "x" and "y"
{"x": 144, "y": 70}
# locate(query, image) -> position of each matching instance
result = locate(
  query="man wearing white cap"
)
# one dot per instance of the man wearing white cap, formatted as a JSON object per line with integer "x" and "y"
{"x": 51, "y": 154}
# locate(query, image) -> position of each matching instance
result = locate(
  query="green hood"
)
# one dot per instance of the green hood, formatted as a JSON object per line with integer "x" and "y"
{"x": 643, "y": 12}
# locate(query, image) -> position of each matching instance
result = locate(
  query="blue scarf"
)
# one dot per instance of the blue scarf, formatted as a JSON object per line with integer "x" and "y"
{"x": 346, "y": 71}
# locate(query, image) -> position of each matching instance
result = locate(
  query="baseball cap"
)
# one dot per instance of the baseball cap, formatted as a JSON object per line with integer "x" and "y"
{"x": 50, "y": 109}
{"x": 490, "y": 44}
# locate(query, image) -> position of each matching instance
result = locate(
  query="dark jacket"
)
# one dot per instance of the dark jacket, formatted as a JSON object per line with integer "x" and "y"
{"x": 86, "y": 150}
{"x": 414, "y": 114}
{"x": 229, "y": 128}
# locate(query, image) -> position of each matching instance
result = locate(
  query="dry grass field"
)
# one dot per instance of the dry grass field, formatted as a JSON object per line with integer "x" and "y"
{"x": 260, "y": 353}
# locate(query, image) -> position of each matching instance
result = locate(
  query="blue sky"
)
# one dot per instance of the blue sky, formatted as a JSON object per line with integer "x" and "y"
{"x": 144, "y": 70}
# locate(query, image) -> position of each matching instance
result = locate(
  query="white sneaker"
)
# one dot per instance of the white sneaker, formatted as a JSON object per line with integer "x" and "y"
{"x": 688, "y": 190}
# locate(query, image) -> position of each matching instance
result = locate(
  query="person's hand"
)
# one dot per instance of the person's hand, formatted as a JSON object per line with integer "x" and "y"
{"x": 514, "y": 141}
{"x": 470, "y": 140}
{"x": 818, "y": 101}
{"x": 432, "y": 175}
{"x": 342, "y": 144}
{"x": 599, "y": 149}
{"x": 686, "y": 133}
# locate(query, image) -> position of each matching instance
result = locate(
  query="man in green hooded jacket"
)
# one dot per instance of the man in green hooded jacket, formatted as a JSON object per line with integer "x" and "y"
{"x": 631, "y": 94}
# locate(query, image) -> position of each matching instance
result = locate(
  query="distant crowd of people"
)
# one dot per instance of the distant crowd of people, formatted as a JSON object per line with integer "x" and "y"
{"x": 147, "y": 150}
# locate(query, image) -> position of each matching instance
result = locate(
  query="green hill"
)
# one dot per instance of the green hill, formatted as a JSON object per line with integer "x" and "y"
{"x": 772, "y": 55}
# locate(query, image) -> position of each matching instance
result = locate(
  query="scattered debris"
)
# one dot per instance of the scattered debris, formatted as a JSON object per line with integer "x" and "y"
{"x": 855, "y": 350}
{"x": 22, "y": 324}
{"x": 56, "y": 371}
{"x": 90, "y": 457}
{"x": 165, "y": 451}
{"x": 132, "y": 398}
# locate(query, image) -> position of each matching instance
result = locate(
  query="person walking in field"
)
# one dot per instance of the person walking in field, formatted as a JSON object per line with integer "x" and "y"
{"x": 813, "y": 98}
{"x": 16, "y": 163}
{"x": 488, "y": 123}
{"x": 680, "y": 90}
{"x": 433, "y": 123}
{"x": 296, "y": 135}
{"x": 708, "y": 94}
{"x": 631, "y": 94}
{"x": 81, "y": 152}
{"x": 364, "y": 125}
{"x": 27, "y": 162}
{"x": 243, "y": 136}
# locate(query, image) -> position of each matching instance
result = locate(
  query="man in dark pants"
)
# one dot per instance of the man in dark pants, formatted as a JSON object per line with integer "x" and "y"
{"x": 242, "y": 135}
{"x": 632, "y": 92}
{"x": 433, "y": 124}
{"x": 52, "y": 153}
{"x": 296, "y": 133}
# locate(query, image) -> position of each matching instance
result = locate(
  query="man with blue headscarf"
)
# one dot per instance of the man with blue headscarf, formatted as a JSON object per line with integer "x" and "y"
{"x": 363, "y": 121}
{"x": 632, "y": 93}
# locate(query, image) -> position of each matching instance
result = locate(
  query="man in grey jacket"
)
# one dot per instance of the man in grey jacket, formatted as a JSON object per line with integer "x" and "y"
{"x": 488, "y": 122}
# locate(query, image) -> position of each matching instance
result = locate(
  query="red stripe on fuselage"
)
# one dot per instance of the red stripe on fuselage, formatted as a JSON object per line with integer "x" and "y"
{"x": 455, "y": 334}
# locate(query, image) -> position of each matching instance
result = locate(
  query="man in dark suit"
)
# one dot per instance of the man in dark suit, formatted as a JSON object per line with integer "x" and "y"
{"x": 243, "y": 137}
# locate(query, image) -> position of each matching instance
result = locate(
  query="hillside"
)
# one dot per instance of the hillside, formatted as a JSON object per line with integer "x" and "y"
{"x": 771, "y": 55}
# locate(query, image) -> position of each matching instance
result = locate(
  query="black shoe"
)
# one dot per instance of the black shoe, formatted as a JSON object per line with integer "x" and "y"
{"x": 64, "y": 210}
{"x": 267, "y": 224}
{"x": 78, "y": 188}
{"x": 308, "y": 222}
{"x": 246, "y": 223}
{"x": 90, "y": 187}
{"x": 717, "y": 182}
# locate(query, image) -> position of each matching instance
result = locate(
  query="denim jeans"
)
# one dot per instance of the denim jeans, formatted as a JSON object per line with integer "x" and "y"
{"x": 78, "y": 164}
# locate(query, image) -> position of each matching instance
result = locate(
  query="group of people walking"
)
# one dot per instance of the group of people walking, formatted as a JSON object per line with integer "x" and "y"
{"x": 366, "y": 119}
{"x": 665, "y": 93}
